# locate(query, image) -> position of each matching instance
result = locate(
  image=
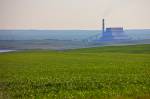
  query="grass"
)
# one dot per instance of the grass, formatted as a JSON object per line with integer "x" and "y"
{"x": 105, "y": 72}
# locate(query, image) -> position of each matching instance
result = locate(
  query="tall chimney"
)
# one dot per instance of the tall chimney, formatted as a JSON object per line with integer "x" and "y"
{"x": 103, "y": 25}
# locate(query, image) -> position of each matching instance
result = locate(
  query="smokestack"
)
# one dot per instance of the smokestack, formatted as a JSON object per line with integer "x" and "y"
{"x": 103, "y": 25}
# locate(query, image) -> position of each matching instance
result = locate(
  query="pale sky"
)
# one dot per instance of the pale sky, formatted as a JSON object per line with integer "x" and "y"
{"x": 74, "y": 14}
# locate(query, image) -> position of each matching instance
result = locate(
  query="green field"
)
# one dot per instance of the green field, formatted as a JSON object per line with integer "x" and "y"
{"x": 103, "y": 72}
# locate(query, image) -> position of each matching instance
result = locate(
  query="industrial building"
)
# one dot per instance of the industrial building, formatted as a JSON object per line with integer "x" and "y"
{"x": 109, "y": 34}
{"x": 112, "y": 33}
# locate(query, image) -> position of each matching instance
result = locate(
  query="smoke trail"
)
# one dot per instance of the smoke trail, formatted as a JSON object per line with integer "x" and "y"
{"x": 112, "y": 6}
{"x": 108, "y": 9}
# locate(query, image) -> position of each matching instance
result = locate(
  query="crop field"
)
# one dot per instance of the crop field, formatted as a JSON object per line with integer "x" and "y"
{"x": 117, "y": 72}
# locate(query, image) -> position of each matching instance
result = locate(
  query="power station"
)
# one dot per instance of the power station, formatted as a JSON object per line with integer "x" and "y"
{"x": 113, "y": 33}
{"x": 110, "y": 34}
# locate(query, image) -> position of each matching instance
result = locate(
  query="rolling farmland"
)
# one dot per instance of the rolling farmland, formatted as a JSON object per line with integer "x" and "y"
{"x": 91, "y": 73}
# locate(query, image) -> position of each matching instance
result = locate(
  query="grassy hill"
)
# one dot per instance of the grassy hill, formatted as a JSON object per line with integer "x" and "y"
{"x": 145, "y": 48}
{"x": 91, "y": 73}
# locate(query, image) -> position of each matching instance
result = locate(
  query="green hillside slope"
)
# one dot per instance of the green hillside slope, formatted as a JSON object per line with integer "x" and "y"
{"x": 111, "y": 72}
{"x": 145, "y": 48}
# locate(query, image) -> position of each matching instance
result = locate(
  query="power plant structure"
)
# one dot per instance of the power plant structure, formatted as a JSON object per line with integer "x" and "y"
{"x": 110, "y": 34}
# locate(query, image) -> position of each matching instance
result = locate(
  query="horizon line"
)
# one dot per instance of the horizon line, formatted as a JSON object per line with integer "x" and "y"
{"x": 67, "y": 29}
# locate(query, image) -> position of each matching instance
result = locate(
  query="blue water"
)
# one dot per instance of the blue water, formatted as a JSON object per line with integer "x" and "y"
{"x": 64, "y": 34}
{"x": 6, "y": 50}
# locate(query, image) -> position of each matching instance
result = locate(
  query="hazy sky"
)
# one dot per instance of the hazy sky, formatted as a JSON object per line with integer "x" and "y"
{"x": 73, "y": 14}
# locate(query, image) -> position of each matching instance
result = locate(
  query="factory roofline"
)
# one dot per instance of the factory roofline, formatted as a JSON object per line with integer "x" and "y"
{"x": 114, "y": 27}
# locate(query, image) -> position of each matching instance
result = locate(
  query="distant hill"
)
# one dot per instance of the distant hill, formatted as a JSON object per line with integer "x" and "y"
{"x": 64, "y": 34}
{"x": 136, "y": 49}
{"x": 63, "y": 39}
